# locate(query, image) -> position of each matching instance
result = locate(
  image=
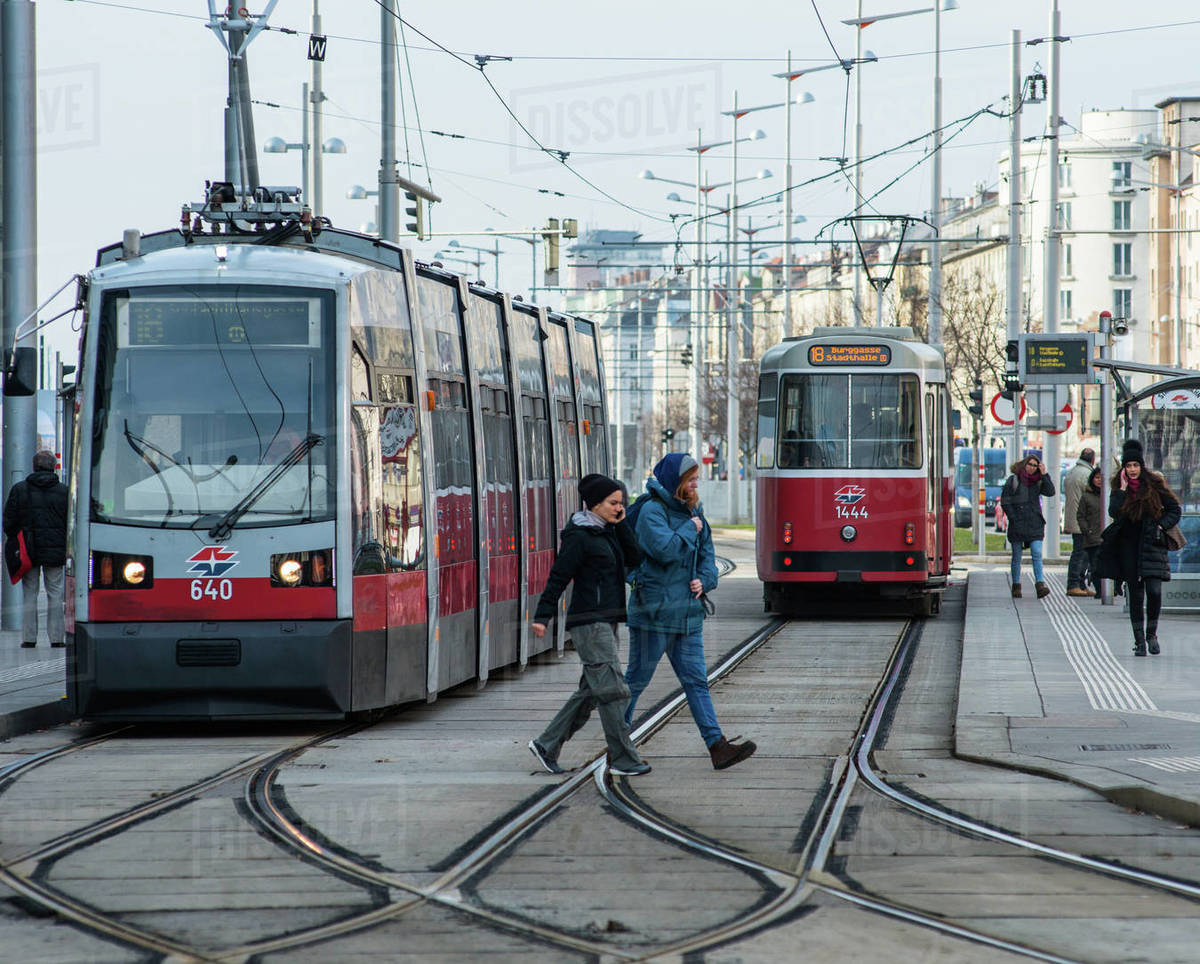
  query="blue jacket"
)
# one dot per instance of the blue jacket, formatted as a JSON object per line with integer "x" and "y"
{"x": 673, "y": 554}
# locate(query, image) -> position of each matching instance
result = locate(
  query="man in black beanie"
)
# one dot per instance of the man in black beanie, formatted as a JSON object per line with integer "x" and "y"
{"x": 596, "y": 550}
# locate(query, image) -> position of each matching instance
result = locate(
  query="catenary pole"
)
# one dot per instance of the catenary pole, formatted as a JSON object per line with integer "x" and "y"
{"x": 318, "y": 95}
{"x": 18, "y": 68}
{"x": 935, "y": 210}
{"x": 787, "y": 203}
{"x": 1051, "y": 456}
{"x": 733, "y": 413}
{"x": 389, "y": 187}
{"x": 1106, "y": 432}
{"x": 1013, "y": 301}
{"x": 696, "y": 302}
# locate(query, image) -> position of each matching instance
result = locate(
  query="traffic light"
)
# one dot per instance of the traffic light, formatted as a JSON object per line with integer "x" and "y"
{"x": 417, "y": 211}
{"x": 1012, "y": 384}
{"x": 976, "y": 396}
{"x": 551, "y": 236}
{"x": 685, "y": 357}
{"x": 668, "y": 434}
{"x": 835, "y": 266}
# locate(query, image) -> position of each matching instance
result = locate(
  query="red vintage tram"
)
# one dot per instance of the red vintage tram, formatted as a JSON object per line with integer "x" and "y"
{"x": 855, "y": 478}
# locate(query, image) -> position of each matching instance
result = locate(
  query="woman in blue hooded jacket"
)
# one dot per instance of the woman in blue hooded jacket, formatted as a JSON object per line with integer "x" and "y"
{"x": 666, "y": 614}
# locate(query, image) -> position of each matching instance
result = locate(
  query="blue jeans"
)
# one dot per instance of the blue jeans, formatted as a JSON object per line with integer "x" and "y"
{"x": 1035, "y": 550}
{"x": 686, "y": 653}
{"x": 1077, "y": 565}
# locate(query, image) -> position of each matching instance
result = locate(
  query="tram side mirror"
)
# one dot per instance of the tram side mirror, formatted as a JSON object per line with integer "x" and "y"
{"x": 20, "y": 374}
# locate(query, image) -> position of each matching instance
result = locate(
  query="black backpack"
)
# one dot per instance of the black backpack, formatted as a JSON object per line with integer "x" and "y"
{"x": 631, "y": 514}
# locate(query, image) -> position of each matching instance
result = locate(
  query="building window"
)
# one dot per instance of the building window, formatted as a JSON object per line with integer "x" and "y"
{"x": 1123, "y": 303}
{"x": 1122, "y": 175}
{"x": 1064, "y": 216}
{"x": 1123, "y": 259}
{"x": 1122, "y": 215}
{"x": 1066, "y": 261}
{"x": 1064, "y": 175}
{"x": 1064, "y": 303}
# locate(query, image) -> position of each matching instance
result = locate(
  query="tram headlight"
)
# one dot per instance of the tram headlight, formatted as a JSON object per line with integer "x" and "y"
{"x": 120, "y": 570}
{"x": 849, "y": 533}
{"x": 312, "y": 568}
{"x": 290, "y": 572}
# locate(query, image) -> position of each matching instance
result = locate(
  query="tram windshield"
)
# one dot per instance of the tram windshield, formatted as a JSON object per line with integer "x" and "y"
{"x": 866, "y": 421}
{"x": 214, "y": 406}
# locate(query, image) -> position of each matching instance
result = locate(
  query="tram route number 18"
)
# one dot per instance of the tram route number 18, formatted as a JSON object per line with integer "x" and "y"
{"x": 851, "y": 511}
{"x": 212, "y": 589}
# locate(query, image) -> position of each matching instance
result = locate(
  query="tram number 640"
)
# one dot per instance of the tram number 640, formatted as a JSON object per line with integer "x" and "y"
{"x": 212, "y": 589}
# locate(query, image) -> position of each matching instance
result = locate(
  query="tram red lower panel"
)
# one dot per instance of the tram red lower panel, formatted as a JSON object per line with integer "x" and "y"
{"x": 211, "y": 599}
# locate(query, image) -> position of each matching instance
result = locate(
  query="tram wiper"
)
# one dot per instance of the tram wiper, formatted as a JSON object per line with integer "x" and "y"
{"x": 140, "y": 446}
{"x": 225, "y": 524}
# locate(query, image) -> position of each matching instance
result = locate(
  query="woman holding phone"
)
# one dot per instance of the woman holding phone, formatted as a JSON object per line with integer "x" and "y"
{"x": 1021, "y": 499}
{"x": 1142, "y": 505}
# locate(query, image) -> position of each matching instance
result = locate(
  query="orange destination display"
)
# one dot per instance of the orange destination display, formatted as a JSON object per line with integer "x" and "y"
{"x": 850, "y": 355}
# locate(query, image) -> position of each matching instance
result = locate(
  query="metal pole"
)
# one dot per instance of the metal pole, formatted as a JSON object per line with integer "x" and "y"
{"x": 18, "y": 170}
{"x": 787, "y": 205}
{"x": 305, "y": 145}
{"x": 733, "y": 413}
{"x": 1178, "y": 263}
{"x": 533, "y": 270}
{"x": 1106, "y": 435}
{"x": 935, "y": 219}
{"x": 496, "y": 256}
{"x": 858, "y": 52}
{"x": 317, "y": 95}
{"x": 702, "y": 351}
{"x": 1050, "y": 306}
{"x": 696, "y": 301}
{"x": 389, "y": 187}
{"x": 618, "y": 370}
{"x": 1013, "y": 301}
{"x": 980, "y": 490}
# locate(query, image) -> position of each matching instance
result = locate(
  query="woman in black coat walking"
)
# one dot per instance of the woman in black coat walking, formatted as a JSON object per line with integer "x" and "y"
{"x": 1089, "y": 515}
{"x": 1022, "y": 503}
{"x": 1142, "y": 505}
{"x": 596, "y": 551}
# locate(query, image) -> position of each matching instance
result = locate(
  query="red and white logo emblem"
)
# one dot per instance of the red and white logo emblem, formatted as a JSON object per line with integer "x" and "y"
{"x": 211, "y": 562}
{"x": 849, "y": 494}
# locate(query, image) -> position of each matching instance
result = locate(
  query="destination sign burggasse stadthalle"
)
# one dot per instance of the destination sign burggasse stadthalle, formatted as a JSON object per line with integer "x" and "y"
{"x": 1057, "y": 358}
{"x": 850, "y": 355}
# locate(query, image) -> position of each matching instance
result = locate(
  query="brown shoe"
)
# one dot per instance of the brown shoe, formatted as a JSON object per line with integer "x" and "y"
{"x": 1041, "y": 589}
{"x": 725, "y": 754}
{"x": 1078, "y": 591}
{"x": 1016, "y": 591}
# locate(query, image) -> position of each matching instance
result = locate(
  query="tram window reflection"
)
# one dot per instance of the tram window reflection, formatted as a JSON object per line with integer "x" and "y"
{"x": 884, "y": 422}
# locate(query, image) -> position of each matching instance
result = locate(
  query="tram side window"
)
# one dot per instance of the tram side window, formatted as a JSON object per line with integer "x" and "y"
{"x": 403, "y": 517}
{"x": 768, "y": 388}
{"x": 885, "y": 422}
{"x": 813, "y": 421}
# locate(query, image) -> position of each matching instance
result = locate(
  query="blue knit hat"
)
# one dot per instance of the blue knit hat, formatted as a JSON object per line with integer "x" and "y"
{"x": 673, "y": 467}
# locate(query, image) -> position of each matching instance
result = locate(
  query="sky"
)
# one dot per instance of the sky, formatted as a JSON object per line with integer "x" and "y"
{"x": 131, "y": 95}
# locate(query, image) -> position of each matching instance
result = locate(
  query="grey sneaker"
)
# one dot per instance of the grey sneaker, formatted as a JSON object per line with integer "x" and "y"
{"x": 631, "y": 771}
{"x": 550, "y": 765}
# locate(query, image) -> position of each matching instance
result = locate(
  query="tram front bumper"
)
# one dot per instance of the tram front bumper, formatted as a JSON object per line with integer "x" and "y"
{"x": 211, "y": 670}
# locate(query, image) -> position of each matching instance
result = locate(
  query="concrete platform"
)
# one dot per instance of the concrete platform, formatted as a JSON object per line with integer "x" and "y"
{"x": 1052, "y": 686}
{"x": 33, "y": 684}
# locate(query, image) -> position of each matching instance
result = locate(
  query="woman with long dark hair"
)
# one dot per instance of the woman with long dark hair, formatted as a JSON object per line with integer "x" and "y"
{"x": 1143, "y": 505}
{"x": 1021, "y": 499}
{"x": 1089, "y": 516}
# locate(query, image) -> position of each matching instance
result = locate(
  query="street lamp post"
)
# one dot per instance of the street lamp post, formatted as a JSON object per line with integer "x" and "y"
{"x": 332, "y": 145}
{"x": 935, "y": 255}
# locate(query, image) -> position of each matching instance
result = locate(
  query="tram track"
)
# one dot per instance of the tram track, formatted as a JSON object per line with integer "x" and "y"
{"x": 787, "y": 893}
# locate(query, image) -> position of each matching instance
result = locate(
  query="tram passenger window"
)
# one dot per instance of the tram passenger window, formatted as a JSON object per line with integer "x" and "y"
{"x": 884, "y": 422}
{"x": 401, "y": 517}
{"x": 813, "y": 421}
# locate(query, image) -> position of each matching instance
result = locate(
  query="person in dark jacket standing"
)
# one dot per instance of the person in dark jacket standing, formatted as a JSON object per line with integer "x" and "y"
{"x": 1089, "y": 516}
{"x": 1143, "y": 505}
{"x": 596, "y": 549}
{"x": 1022, "y": 503}
{"x": 38, "y": 505}
{"x": 666, "y": 614}
{"x": 1073, "y": 486}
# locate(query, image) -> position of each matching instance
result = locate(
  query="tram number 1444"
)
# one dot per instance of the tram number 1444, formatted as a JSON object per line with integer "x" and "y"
{"x": 851, "y": 511}
{"x": 212, "y": 589}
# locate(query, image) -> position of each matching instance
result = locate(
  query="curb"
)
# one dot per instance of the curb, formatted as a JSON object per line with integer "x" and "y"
{"x": 20, "y": 722}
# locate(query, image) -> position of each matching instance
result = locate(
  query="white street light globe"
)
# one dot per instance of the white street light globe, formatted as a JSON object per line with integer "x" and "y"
{"x": 356, "y": 192}
{"x": 763, "y": 174}
{"x": 757, "y": 134}
{"x": 334, "y": 145}
{"x": 646, "y": 175}
{"x": 275, "y": 145}
{"x": 804, "y": 97}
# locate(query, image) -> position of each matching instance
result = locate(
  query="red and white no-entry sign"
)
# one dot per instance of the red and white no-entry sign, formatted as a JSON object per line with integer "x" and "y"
{"x": 1002, "y": 409}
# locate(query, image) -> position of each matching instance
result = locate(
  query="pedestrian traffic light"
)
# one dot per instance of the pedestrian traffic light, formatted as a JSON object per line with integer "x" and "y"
{"x": 685, "y": 357}
{"x": 668, "y": 434}
{"x": 417, "y": 212}
{"x": 976, "y": 396}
